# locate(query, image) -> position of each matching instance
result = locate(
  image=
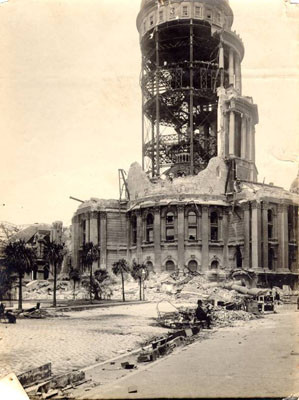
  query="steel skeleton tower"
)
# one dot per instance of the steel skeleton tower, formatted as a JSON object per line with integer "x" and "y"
{"x": 188, "y": 52}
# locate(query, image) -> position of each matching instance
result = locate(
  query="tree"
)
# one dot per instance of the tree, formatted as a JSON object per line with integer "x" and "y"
{"x": 7, "y": 278}
{"x": 19, "y": 259}
{"x": 121, "y": 268}
{"x": 97, "y": 284}
{"x": 75, "y": 276}
{"x": 90, "y": 254}
{"x": 140, "y": 273}
{"x": 54, "y": 253}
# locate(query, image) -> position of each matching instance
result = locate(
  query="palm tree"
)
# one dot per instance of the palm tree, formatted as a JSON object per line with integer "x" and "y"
{"x": 90, "y": 254}
{"x": 140, "y": 273}
{"x": 54, "y": 253}
{"x": 121, "y": 267}
{"x": 20, "y": 259}
{"x": 75, "y": 276}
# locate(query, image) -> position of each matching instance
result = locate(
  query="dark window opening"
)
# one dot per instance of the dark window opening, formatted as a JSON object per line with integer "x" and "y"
{"x": 192, "y": 233}
{"x": 170, "y": 234}
{"x": 214, "y": 226}
{"x": 150, "y": 228}
{"x": 149, "y": 266}
{"x": 238, "y": 257}
{"x": 271, "y": 259}
{"x": 214, "y": 264}
{"x": 170, "y": 218}
{"x": 169, "y": 266}
{"x": 134, "y": 230}
{"x": 270, "y": 224}
{"x": 193, "y": 266}
{"x": 84, "y": 231}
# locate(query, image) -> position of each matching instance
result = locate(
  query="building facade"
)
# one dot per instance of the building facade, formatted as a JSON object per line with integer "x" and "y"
{"x": 195, "y": 203}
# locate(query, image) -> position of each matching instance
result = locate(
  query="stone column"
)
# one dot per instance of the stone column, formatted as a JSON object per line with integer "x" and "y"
{"x": 75, "y": 242}
{"x": 231, "y": 67}
{"x": 232, "y": 133}
{"x": 246, "y": 259}
{"x": 103, "y": 240}
{"x": 238, "y": 74}
{"x": 205, "y": 239}
{"x": 265, "y": 235}
{"x": 94, "y": 233}
{"x": 139, "y": 236}
{"x": 181, "y": 238}
{"x": 244, "y": 138}
{"x": 221, "y": 116}
{"x": 94, "y": 223}
{"x": 157, "y": 239}
{"x": 225, "y": 235}
{"x": 256, "y": 235}
{"x": 283, "y": 240}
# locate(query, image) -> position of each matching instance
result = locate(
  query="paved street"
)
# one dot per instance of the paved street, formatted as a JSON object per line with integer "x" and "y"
{"x": 76, "y": 340}
{"x": 257, "y": 359}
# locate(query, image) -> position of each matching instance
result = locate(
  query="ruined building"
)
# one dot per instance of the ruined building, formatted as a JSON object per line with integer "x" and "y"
{"x": 195, "y": 202}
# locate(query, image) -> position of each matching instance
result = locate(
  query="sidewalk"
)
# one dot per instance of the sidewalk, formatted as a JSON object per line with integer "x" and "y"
{"x": 257, "y": 359}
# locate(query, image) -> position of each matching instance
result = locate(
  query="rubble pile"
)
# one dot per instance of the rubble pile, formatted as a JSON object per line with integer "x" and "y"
{"x": 223, "y": 318}
{"x": 38, "y": 290}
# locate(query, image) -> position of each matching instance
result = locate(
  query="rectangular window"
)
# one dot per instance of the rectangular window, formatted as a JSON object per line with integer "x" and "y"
{"x": 161, "y": 16}
{"x": 134, "y": 236}
{"x": 169, "y": 218}
{"x": 270, "y": 231}
{"x": 169, "y": 234}
{"x": 214, "y": 234}
{"x": 192, "y": 234}
{"x": 198, "y": 13}
{"x": 151, "y": 20}
{"x": 150, "y": 235}
{"x": 185, "y": 11}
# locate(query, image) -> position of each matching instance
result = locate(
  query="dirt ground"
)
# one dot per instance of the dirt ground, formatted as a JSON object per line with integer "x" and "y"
{"x": 77, "y": 339}
{"x": 256, "y": 359}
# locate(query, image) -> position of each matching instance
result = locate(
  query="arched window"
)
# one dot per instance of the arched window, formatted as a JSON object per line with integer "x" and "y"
{"x": 134, "y": 229}
{"x": 192, "y": 265}
{"x": 271, "y": 259}
{"x": 214, "y": 264}
{"x": 270, "y": 224}
{"x": 192, "y": 225}
{"x": 149, "y": 266}
{"x": 169, "y": 266}
{"x": 214, "y": 226}
{"x": 169, "y": 227}
{"x": 150, "y": 228}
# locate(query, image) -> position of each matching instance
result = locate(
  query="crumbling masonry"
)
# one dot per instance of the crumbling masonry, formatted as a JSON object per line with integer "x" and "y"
{"x": 195, "y": 202}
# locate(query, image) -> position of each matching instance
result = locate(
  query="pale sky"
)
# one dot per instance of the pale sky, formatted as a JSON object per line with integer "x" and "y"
{"x": 70, "y": 99}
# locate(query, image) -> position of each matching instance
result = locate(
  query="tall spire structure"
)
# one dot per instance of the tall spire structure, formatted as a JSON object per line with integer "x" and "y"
{"x": 192, "y": 104}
